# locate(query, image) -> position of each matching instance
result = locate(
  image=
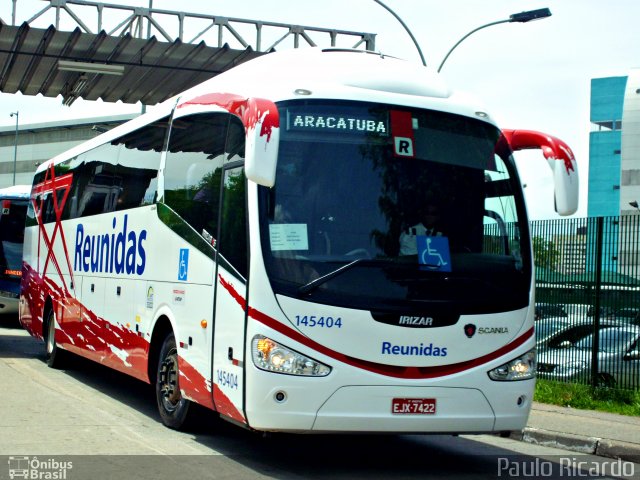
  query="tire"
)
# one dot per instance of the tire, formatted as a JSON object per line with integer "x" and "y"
{"x": 53, "y": 354}
{"x": 173, "y": 407}
{"x": 605, "y": 380}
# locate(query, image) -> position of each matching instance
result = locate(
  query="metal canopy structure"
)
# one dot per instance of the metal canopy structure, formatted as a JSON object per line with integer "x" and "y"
{"x": 76, "y": 58}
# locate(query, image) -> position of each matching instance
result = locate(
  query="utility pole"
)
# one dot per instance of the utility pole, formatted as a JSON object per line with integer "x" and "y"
{"x": 15, "y": 146}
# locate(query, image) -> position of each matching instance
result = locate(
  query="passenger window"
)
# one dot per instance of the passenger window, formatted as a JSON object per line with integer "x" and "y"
{"x": 233, "y": 215}
{"x": 138, "y": 163}
{"x": 233, "y": 232}
{"x": 192, "y": 175}
{"x": 95, "y": 189}
{"x": 118, "y": 175}
{"x": 45, "y": 205}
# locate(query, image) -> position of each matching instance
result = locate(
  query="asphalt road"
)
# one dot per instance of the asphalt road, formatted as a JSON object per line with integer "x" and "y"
{"x": 88, "y": 422}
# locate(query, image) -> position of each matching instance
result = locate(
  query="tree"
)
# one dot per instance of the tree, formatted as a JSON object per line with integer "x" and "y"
{"x": 545, "y": 253}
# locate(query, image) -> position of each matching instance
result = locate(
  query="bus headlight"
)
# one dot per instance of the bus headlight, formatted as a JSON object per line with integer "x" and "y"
{"x": 521, "y": 368}
{"x": 274, "y": 357}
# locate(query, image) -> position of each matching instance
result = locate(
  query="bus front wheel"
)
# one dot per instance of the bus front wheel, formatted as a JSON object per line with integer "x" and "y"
{"x": 173, "y": 407}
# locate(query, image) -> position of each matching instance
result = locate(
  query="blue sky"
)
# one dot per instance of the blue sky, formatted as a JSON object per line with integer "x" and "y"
{"x": 531, "y": 76}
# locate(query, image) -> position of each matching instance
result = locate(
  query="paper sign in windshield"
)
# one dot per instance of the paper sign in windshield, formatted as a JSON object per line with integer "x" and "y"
{"x": 288, "y": 236}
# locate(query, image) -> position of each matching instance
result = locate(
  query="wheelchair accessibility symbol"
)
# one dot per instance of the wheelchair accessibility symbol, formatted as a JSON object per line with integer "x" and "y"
{"x": 183, "y": 265}
{"x": 433, "y": 252}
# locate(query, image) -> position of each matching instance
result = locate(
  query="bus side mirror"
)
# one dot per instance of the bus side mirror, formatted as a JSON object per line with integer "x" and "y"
{"x": 262, "y": 129}
{"x": 560, "y": 159}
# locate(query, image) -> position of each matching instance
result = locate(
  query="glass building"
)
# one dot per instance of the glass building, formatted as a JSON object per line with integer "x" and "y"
{"x": 614, "y": 167}
{"x": 614, "y": 145}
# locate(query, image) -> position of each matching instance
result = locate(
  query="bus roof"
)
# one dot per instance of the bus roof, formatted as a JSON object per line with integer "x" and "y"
{"x": 339, "y": 74}
{"x": 314, "y": 73}
{"x": 16, "y": 192}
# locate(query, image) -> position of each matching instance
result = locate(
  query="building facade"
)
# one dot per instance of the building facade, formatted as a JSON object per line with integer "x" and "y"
{"x": 21, "y": 153}
{"x": 614, "y": 167}
{"x": 630, "y": 146}
{"x": 614, "y": 145}
{"x": 605, "y": 146}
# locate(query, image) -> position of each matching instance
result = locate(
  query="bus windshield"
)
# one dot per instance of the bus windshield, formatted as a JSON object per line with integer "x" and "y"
{"x": 394, "y": 209}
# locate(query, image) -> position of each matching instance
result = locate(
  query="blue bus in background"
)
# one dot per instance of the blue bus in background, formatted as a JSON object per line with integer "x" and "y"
{"x": 13, "y": 203}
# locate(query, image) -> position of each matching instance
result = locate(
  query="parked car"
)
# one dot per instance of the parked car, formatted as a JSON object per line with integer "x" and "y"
{"x": 549, "y": 310}
{"x": 546, "y": 329}
{"x": 567, "y": 355}
{"x": 622, "y": 314}
{"x": 578, "y": 312}
{"x": 629, "y": 314}
{"x": 605, "y": 312}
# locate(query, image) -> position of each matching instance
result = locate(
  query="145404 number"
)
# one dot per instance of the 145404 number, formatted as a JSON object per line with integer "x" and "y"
{"x": 226, "y": 379}
{"x": 315, "y": 321}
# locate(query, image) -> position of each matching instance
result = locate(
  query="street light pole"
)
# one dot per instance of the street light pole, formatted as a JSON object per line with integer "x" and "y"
{"x": 15, "y": 146}
{"x": 415, "y": 42}
{"x": 522, "y": 17}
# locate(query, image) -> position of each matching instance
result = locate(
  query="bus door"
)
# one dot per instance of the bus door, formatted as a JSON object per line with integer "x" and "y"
{"x": 205, "y": 206}
{"x": 231, "y": 294}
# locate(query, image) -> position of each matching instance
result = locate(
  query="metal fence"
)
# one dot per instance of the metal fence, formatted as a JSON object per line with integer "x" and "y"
{"x": 588, "y": 300}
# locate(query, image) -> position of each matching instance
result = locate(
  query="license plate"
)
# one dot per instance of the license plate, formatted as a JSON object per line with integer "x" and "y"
{"x": 415, "y": 406}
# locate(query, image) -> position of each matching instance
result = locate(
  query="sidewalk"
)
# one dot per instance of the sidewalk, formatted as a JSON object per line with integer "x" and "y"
{"x": 585, "y": 431}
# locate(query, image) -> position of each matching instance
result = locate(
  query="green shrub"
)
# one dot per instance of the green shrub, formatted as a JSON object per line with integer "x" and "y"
{"x": 586, "y": 397}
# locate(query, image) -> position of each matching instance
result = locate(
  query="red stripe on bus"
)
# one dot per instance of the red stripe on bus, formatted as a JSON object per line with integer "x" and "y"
{"x": 374, "y": 367}
{"x": 91, "y": 336}
{"x": 250, "y": 110}
{"x": 198, "y": 389}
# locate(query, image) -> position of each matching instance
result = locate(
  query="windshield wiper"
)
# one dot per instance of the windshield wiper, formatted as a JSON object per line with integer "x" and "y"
{"x": 312, "y": 285}
{"x": 389, "y": 262}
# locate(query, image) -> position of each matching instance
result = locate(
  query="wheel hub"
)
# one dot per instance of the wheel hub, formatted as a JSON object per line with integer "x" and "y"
{"x": 168, "y": 380}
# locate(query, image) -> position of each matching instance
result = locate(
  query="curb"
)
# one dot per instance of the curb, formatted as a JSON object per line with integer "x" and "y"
{"x": 591, "y": 445}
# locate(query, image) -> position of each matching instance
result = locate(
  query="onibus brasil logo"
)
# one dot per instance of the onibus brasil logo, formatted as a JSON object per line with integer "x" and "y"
{"x": 34, "y": 468}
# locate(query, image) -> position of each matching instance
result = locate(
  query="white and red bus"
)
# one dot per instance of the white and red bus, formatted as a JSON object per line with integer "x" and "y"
{"x": 257, "y": 245}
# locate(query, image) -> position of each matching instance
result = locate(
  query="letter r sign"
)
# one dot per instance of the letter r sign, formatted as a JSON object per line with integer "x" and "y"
{"x": 403, "y": 146}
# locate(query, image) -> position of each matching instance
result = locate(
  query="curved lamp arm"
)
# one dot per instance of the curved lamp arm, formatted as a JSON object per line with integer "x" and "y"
{"x": 522, "y": 17}
{"x": 468, "y": 35}
{"x": 415, "y": 42}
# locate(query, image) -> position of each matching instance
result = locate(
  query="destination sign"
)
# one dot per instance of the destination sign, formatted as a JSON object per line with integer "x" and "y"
{"x": 336, "y": 122}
